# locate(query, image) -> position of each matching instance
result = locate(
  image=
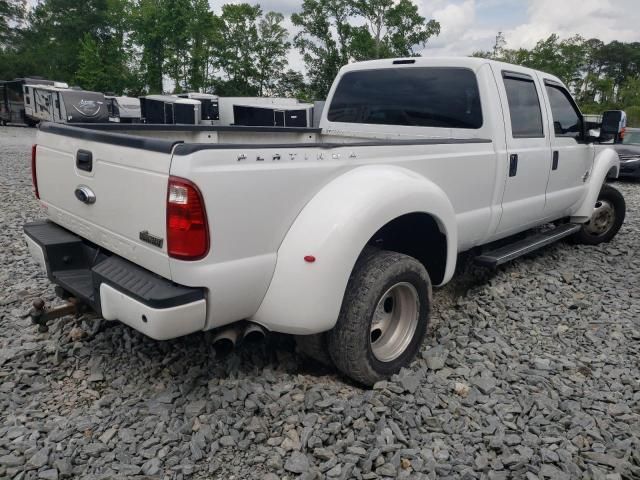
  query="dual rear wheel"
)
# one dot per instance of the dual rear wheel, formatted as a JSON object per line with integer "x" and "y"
{"x": 385, "y": 311}
{"x": 383, "y": 319}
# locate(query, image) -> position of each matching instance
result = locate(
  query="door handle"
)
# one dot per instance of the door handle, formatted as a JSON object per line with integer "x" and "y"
{"x": 554, "y": 162}
{"x": 84, "y": 160}
{"x": 513, "y": 164}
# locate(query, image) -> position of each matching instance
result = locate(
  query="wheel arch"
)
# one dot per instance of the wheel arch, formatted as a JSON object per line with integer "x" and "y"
{"x": 605, "y": 162}
{"x": 351, "y": 212}
{"x": 419, "y": 235}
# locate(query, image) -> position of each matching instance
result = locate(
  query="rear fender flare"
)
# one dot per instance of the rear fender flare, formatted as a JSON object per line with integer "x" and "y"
{"x": 305, "y": 297}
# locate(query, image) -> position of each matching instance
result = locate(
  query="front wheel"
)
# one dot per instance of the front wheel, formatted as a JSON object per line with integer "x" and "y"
{"x": 607, "y": 218}
{"x": 383, "y": 319}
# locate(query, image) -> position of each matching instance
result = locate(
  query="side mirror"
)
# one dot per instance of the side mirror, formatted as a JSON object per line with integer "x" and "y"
{"x": 613, "y": 125}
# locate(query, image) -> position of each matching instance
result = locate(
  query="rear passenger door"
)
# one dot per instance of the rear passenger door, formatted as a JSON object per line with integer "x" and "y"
{"x": 571, "y": 156}
{"x": 528, "y": 151}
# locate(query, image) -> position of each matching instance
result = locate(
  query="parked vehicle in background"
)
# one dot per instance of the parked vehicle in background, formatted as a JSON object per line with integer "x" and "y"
{"x": 170, "y": 110}
{"x": 12, "y": 102}
{"x": 123, "y": 109}
{"x": 209, "y": 109}
{"x": 60, "y": 104}
{"x": 629, "y": 153}
{"x": 334, "y": 234}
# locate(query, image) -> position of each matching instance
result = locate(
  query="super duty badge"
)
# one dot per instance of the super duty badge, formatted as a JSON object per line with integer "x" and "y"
{"x": 145, "y": 236}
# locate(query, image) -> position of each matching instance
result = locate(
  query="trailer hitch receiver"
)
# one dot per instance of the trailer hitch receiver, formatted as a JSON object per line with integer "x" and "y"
{"x": 41, "y": 315}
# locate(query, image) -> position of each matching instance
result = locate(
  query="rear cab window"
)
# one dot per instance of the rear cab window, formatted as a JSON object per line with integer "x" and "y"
{"x": 441, "y": 97}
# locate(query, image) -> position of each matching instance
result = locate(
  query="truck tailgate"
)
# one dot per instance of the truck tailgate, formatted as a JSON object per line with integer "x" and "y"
{"x": 128, "y": 177}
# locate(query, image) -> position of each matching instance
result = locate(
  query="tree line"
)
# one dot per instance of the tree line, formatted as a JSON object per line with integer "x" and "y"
{"x": 602, "y": 76}
{"x": 134, "y": 46}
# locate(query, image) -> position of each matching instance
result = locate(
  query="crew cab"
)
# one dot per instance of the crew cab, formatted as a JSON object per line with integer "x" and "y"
{"x": 333, "y": 234}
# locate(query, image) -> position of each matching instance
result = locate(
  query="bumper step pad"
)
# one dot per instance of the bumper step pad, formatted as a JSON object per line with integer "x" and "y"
{"x": 81, "y": 268}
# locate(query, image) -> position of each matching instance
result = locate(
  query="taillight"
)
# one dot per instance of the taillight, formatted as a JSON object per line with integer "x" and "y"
{"x": 187, "y": 230}
{"x": 34, "y": 176}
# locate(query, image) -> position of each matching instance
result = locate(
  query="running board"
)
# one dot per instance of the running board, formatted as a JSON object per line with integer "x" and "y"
{"x": 504, "y": 254}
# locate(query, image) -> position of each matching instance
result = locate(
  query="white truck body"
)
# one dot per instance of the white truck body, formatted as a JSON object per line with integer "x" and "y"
{"x": 274, "y": 196}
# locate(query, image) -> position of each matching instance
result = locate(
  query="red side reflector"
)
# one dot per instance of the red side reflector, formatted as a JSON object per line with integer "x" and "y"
{"x": 187, "y": 229}
{"x": 309, "y": 258}
{"x": 34, "y": 176}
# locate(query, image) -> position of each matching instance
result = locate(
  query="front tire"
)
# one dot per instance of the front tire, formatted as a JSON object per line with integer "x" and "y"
{"x": 608, "y": 216}
{"x": 383, "y": 319}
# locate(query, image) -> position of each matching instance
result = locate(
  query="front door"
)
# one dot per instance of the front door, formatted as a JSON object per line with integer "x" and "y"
{"x": 528, "y": 152}
{"x": 571, "y": 157}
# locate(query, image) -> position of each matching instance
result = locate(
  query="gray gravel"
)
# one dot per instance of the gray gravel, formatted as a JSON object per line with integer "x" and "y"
{"x": 529, "y": 372}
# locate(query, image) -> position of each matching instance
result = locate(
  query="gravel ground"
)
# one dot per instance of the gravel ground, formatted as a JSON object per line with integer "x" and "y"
{"x": 529, "y": 372}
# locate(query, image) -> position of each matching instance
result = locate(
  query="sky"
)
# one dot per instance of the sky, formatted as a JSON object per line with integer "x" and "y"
{"x": 470, "y": 25}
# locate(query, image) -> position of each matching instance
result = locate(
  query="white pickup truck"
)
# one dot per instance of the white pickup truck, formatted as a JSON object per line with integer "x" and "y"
{"x": 334, "y": 234}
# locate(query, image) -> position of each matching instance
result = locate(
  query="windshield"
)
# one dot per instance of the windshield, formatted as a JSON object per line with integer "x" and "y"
{"x": 632, "y": 138}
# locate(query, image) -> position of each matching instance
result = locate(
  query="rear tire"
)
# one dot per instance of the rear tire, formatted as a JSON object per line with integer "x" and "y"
{"x": 315, "y": 348}
{"x": 608, "y": 216}
{"x": 383, "y": 319}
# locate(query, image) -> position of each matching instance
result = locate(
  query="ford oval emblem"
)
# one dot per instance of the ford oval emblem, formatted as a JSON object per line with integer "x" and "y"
{"x": 85, "y": 194}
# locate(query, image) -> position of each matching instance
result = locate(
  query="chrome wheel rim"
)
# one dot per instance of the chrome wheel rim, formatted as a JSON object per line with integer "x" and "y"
{"x": 602, "y": 220}
{"x": 394, "y": 321}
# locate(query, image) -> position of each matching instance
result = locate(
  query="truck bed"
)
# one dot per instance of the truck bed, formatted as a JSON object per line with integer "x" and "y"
{"x": 162, "y": 138}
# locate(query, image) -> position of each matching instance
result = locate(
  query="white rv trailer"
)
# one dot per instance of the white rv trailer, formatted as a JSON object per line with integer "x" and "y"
{"x": 168, "y": 109}
{"x": 123, "y": 109}
{"x": 12, "y": 101}
{"x": 60, "y": 104}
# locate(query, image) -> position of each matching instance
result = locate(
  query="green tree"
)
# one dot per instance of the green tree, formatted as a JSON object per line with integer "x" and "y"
{"x": 91, "y": 74}
{"x": 324, "y": 40}
{"x": 203, "y": 35}
{"x": 150, "y": 29}
{"x": 51, "y": 44}
{"x": 11, "y": 15}
{"x": 234, "y": 54}
{"x": 271, "y": 51}
{"x": 249, "y": 50}
{"x": 334, "y": 32}
{"x": 292, "y": 84}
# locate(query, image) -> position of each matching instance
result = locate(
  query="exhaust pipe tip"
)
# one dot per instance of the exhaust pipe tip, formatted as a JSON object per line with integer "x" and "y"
{"x": 254, "y": 333}
{"x": 225, "y": 341}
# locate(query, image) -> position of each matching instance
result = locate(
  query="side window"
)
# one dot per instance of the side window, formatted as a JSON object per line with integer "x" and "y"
{"x": 524, "y": 106}
{"x": 567, "y": 119}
